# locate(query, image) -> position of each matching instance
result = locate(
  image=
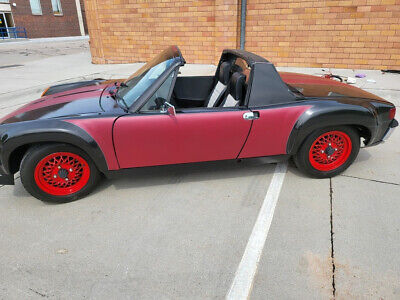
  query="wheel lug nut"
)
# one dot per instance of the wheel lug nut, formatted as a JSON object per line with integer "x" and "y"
{"x": 55, "y": 176}
{"x": 70, "y": 169}
{"x": 66, "y": 179}
{"x": 322, "y": 151}
{"x": 330, "y": 144}
{"x": 59, "y": 167}
{"x": 335, "y": 149}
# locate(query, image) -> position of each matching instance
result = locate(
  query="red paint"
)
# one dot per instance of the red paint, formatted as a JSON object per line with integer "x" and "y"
{"x": 270, "y": 133}
{"x": 297, "y": 78}
{"x": 392, "y": 113}
{"x": 59, "y": 98}
{"x": 100, "y": 129}
{"x": 150, "y": 140}
{"x": 330, "y": 150}
{"x": 62, "y": 173}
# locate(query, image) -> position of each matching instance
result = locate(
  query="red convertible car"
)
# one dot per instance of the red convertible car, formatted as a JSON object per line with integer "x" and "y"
{"x": 63, "y": 142}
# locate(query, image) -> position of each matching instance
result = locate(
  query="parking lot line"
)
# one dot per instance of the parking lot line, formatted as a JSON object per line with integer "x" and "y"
{"x": 244, "y": 276}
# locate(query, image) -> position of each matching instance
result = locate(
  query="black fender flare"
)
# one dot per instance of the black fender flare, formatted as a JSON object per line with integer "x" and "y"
{"x": 320, "y": 116}
{"x": 15, "y": 135}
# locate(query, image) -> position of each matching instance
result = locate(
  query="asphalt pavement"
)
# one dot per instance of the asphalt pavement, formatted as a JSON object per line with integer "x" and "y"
{"x": 181, "y": 232}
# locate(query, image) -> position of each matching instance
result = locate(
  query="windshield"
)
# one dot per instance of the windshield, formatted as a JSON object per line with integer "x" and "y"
{"x": 143, "y": 78}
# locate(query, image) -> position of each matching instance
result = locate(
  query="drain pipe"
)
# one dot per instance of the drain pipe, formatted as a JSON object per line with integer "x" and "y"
{"x": 243, "y": 24}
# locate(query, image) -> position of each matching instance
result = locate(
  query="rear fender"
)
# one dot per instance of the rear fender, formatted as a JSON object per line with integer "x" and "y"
{"x": 320, "y": 116}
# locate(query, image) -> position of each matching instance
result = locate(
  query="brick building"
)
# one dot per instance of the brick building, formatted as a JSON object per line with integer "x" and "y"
{"x": 45, "y": 18}
{"x": 363, "y": 34}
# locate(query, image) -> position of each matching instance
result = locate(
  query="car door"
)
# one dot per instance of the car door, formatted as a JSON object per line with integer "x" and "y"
{"x": 188, "y": 136}
{"x": 271, "y": 130}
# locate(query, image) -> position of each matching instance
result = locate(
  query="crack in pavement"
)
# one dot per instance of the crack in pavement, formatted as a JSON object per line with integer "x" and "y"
{"x": 374, "y": 180}
{"x": 39, "y": 293}
{"x": 332, "y": 233}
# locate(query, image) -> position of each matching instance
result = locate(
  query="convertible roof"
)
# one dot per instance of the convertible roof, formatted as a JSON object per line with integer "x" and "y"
{"x": 265, "y": 85}
{"x": 249, "y": 57}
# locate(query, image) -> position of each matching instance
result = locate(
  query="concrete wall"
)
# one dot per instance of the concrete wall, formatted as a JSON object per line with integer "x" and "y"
{"x": 342, "y": 34}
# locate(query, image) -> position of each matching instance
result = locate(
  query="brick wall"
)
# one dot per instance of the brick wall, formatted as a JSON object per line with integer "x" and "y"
{"x": 46, "y": 25}
{"x": 343, "y": 34}
{"x": 362, "y": 34}
{"x": 132, "y": 31}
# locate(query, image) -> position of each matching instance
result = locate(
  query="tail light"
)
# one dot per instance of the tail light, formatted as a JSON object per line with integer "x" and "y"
{"x": 392, "y": 112}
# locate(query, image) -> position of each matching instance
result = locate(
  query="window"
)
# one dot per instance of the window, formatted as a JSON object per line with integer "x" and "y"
{"x": 56, "y": 4}
{"x": 36, "y": 7}
{"x": 160, "y": 96}
{"x": 136, "y": 86}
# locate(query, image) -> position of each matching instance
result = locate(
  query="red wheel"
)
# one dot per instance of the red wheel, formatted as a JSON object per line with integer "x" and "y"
{"x": 327, "y": 152}
{"x": 62, "y": 173}
{"x": 58, "y": 172}
{"x": 330, "y": 150}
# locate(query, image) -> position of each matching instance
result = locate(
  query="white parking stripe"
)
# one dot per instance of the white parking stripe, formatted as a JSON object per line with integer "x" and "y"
{"x": 244, "y": 276}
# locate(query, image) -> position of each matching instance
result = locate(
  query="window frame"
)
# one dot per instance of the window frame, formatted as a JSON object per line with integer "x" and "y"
{"x": 60, "y": 13}
{"x": 171, "y": 89}
{"x": 39, "y": 6}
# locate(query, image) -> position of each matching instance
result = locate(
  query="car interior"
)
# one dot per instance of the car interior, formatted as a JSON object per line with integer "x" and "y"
{"x": 226, "y": 89}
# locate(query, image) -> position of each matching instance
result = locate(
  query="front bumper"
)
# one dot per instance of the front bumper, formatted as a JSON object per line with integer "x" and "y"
{"x": 6, "y": 179}
{"x": 390, "y": 130}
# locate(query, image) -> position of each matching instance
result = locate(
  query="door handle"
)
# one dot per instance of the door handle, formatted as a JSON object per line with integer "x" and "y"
{"x": 252, "y": 115}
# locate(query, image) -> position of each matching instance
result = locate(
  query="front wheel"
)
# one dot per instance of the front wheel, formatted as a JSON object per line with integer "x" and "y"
{"x": 328, "y": 152}
{"x": 58, "y": 173}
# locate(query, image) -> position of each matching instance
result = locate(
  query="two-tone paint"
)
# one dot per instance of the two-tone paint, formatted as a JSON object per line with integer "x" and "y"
{"x": 87, "y": 117}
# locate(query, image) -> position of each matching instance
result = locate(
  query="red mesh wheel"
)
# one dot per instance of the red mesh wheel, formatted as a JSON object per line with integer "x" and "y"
{"x": 330, "y": 150}
{"x": 62, "y": 173}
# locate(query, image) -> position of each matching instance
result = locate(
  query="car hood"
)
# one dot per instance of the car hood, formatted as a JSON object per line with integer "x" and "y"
{"x": 313, "y": 86}
{"x": 77, "y": 102}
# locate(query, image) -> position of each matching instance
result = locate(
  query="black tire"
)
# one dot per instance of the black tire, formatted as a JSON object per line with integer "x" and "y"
{"x": 302, "y": 159}
{"x": 37, "y": 153}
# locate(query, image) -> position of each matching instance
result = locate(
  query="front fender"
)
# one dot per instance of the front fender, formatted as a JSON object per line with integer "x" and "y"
{"x": 15, "y": 135}
{"x": 325, "y": 114}
{"x": 70, "y": 86}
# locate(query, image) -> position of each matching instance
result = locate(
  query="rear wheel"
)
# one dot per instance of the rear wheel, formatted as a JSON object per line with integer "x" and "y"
{"x": 58, "y": 173}
{"x": 328, "y": 152}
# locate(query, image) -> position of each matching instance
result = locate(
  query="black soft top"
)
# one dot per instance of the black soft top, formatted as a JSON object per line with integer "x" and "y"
{"x": 265, "y": 86}
{"x": 249, "y": 57}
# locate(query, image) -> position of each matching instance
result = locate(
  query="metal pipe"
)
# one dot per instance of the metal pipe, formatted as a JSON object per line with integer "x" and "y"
{"x": 80, "y": 18}
{"x": 243, "y": 24}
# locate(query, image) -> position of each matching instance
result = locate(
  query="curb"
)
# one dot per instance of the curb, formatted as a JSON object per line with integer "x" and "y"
{"x": 46, "y": 40}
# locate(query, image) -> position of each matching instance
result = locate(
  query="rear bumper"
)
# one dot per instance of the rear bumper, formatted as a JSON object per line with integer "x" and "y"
{"x": 392, "y": 125}
{"x": 390, "y": 130}
{"x": 6, "y": 179}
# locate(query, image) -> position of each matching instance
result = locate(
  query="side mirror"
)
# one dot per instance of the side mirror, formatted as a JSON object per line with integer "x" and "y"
{"x": 171, "y": 111}
{"x": 168, "y": 108}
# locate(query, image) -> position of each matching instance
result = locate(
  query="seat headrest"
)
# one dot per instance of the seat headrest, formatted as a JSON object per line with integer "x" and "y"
{"x": 223, "y": 75}
{"x": 236, "y": 85}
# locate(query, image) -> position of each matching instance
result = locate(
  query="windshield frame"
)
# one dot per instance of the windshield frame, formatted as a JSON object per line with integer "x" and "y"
{"x": 177, "y": 60}
{"x": 137, "y": 105}
{"x": 175, "y": 72}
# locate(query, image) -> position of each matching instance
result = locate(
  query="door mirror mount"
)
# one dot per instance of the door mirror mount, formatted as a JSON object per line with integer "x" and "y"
{"x": 168, "y": 108}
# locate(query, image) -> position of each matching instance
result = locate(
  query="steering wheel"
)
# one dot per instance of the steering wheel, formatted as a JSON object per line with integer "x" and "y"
{"x": 159, "y": 101}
